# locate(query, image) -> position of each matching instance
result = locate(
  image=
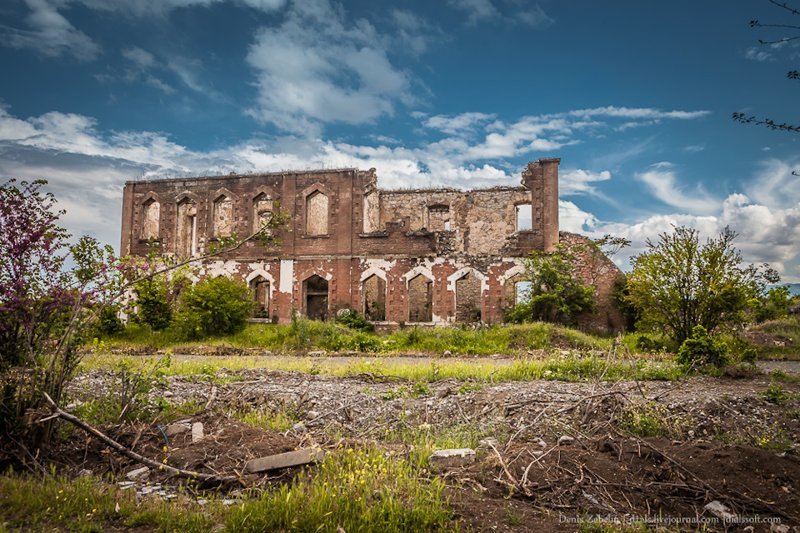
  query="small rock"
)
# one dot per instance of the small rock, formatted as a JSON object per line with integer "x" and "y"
{"x": 178, "y": 428}
{"x": 168, "y": 394}
{"x": 138, "y": 473}
{"x": 311, "y": 415}
{"x": 541, "y": 443}
{"x": 126, "y": 484}
{"x": 85, "y": 472}
{"x": 197, "y": 431}
{"x": 719, "y": 510}
{"x": 778, "y": 528}
{"x": 299, "y": 427}
{"x": 537, "y": 453}
{"x": 485, "y": 446}
{"x": 442, "y": 460}
{"x": 565, "y": 440}
{"x": 201, "y": 502}
{"x": 226, "y": 502}
{"x": 447, "y": 352}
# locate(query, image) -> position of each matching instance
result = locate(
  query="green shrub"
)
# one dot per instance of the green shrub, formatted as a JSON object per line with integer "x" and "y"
{"x": 108, "y": 323}
{"x": 776, "y": 394}
{"x": 152, "y": 304}
{"x": 353, "y": 320}
{"x": 214, "y": 306}
{"x": 701, "y": 349}
{"x": 645, "y": 344}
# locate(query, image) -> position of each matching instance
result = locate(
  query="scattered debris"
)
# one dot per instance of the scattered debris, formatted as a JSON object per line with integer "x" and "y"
{"x": 197, "y": 432}
{"x": 138, "y": 473}
{"x": 284, "y": 460}
{"x": 443, "y": 460}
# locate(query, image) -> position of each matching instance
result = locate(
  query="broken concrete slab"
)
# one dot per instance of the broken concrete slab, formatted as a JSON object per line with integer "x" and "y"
{"x": 442, "y": 460}
{"x": 183, "y": 426}
{"x": 284, "y": 460}
{"x": 197, "y": 431}
{"x": 138, "y": 473}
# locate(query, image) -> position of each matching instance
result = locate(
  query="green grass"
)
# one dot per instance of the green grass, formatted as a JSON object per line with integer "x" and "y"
{"x": 269, "y": 419}
{"x": 569, "y": 368}
{"x": 359, "y": 489}
{"x": 90, "y": 504}
{"x": 308, "y": 335}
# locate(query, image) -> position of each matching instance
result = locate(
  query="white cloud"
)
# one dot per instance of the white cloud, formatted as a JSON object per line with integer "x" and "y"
{"x": 663, "y": 184}
{"x": 49, "y": 33}
{"x": 457, "y": 124}
{"x": 754, "y": 53}
{"x": 580, "y": 182}
{"x": 317, "y": 67}
{"x": 639, "y": 113}
{"x": 514, "y": 12}
{"x": 775, "y": 184}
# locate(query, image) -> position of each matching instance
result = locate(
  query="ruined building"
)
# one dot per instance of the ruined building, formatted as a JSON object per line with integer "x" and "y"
{"x": 429, "y": 256}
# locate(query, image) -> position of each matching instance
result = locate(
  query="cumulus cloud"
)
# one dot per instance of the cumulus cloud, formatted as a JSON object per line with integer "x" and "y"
{"x": 318, "y": 67}
{"x": 580, "y": 182}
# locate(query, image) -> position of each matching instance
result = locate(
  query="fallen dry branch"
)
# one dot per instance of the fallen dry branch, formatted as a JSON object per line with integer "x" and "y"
{"x": 72, "y": 419}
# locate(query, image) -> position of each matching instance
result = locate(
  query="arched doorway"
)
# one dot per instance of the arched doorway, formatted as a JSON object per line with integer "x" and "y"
{"x": 315, "y": 298}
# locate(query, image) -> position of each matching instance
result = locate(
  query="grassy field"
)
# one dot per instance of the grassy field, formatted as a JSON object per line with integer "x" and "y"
{"x": 306, "y": 335}
{"x": 573, "y": 367}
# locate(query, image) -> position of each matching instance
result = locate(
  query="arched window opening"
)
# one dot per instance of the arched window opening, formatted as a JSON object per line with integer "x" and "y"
{"x": 374, "y": 291}
{"x": 186, "y": 244}
{"x": 315, "y": 298}
{"x": 468, "y": 299}
{"x": 317, "y": 214}
{"x": 223, "y": 216}
{"x": 420, "y": 299}
{"x": 151, "y": 214}
{"x": 259, "y": 288}
{"x": 262, "y": 212}
{"x": 371, "y": 212}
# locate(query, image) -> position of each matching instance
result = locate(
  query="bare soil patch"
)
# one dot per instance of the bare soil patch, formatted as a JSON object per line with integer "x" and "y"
{"x": 718, "y": 440}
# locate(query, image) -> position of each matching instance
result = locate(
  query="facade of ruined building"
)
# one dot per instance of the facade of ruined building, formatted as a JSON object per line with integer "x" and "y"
{"x": 433, "y": 256}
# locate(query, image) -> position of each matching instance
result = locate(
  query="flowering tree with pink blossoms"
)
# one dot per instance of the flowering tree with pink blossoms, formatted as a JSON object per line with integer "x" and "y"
{"x": 47, "y": 289}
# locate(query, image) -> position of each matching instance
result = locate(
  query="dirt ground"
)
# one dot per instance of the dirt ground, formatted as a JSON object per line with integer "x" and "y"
{"x": 551, "y": 452}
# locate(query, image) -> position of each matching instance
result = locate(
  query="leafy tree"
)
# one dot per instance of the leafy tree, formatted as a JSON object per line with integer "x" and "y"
{"x": 679, "y": 283}
{"x": 556, "y": 294}
{"x": 214, "y": 306}
{"x": 775, "y": 304}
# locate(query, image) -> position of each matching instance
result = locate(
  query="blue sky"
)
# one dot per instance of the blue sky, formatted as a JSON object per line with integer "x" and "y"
{"x": 635, "y": 97}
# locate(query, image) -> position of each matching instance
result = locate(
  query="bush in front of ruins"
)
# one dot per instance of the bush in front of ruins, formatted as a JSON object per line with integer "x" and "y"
{"x": 702, "y": 350}
{"x": 214, "y": 306}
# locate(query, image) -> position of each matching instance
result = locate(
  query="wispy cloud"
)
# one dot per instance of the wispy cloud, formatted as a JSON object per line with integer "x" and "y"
{"x": 662, "y": 182}
{"x": 49, "y": 33}
{"x": 512, "y": 12}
